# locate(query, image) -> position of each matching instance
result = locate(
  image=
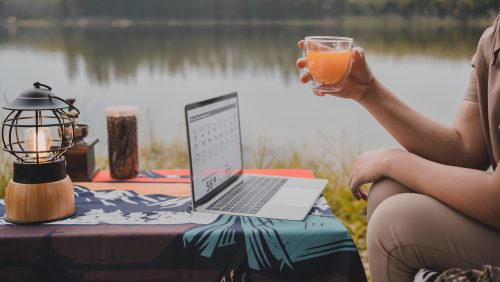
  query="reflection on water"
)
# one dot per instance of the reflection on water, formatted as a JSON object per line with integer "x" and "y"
{"x": 116, "y": 53}
{"x": 162, "y": 68}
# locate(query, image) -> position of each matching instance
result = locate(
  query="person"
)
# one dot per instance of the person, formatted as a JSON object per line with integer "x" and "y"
{"x": 433, "y": 204}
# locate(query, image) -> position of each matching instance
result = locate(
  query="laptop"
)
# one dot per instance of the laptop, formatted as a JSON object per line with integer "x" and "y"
{"x": 217, "y": 180}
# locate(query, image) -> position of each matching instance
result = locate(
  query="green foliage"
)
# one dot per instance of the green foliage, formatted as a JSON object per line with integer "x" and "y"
{"x": 158, "y": 154}
{"x": 458, "y": 9}
{"x": 243, "y": 9}
{"x": 5, "y": 172}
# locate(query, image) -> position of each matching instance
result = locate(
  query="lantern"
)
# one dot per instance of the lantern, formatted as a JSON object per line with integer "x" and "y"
{"x": 37, "y": 130}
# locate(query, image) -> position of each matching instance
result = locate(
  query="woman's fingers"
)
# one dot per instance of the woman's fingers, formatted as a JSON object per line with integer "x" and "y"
{"x": 359, "y": 58}
{"x": 305, "y": 77}
{"x": 354, "y": 188}
{"x": 319, "y": 93}
{"x": 357, "y": 181}
{"x": 358, "y": 53}
{"x": 355, "y": 193}
{"x": 356, "y": 185}
{"x": 362, "y": 193}
{"x": 301, "y": 63}
{"x": 359, "y": 193}
{"x": 314, "y": 46}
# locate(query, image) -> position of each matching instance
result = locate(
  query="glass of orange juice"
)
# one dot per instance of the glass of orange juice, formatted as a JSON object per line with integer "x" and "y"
{"x": 328, "y": 62}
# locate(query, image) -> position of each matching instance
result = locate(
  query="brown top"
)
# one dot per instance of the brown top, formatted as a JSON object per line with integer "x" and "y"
{"x": 484, "y": 87}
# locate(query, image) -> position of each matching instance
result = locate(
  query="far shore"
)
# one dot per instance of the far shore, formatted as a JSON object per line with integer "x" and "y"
{"x": 383, "y": 21}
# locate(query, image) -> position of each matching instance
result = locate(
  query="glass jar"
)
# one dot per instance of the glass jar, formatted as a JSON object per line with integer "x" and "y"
{"x": 122, "y": 141}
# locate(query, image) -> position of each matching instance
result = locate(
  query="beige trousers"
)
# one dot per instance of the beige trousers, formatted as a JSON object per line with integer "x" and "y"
{"x": 408, "y": 231}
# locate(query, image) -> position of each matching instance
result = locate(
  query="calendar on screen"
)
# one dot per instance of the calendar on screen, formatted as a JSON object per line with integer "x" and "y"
{"x": 215, "y": 145}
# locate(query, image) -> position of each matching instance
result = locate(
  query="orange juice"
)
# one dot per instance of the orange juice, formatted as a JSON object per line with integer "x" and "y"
{"x": 326, "y": 66}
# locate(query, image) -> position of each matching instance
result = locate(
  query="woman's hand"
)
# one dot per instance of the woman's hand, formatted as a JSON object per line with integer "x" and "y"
{"x": 359, "y": 81}
{"x": 371, "y": 166}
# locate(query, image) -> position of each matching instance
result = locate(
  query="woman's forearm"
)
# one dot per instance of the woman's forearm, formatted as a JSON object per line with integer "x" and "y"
{"x": 420, "y": 134}
{"x": 474, "y": 193}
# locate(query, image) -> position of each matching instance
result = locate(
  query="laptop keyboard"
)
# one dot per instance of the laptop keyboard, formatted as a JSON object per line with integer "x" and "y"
{"x": 249, "y": 196}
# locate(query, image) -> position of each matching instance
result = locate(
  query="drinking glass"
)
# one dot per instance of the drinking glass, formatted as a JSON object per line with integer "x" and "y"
{"x": 328, "y": 62}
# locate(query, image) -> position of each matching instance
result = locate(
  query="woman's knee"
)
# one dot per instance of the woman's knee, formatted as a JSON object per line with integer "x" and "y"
{"x": 382, "y": 190}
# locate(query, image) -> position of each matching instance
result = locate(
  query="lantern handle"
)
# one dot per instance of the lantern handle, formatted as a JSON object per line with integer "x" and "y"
{"x": 65, "y": 102}
{"x": 38, "y": 84}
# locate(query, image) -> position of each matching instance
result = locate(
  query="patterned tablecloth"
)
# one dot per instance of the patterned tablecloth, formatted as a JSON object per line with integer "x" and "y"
{"x": 144, "y": 230}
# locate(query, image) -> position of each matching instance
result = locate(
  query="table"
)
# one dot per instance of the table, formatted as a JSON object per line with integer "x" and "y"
{"x": 144, "y": 230}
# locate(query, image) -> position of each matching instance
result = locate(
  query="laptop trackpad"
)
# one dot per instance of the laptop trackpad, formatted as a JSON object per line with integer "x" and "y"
{"x": 292, "y": 197}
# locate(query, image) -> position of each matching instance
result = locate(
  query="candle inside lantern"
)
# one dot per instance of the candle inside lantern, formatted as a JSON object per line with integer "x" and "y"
{"x": 38, "y": 141}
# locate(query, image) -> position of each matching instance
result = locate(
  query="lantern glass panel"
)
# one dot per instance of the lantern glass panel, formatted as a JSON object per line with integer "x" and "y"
{"x": 37, "y": 136}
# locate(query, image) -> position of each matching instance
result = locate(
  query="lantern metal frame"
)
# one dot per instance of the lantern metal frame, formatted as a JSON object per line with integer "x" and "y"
{"x": 11, "y": 125}
{"x": 58, "y": 119}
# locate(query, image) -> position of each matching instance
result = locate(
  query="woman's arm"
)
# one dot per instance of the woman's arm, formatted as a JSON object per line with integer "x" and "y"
{"x": 474, "y": 193}
{"x": 460, "y": 145}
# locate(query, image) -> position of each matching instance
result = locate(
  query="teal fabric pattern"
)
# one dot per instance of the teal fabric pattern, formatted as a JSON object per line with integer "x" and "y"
{"x": 271, "y": 240}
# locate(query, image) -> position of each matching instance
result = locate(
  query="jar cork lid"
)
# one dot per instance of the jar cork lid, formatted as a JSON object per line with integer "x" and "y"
{"x": 121, "y": 111}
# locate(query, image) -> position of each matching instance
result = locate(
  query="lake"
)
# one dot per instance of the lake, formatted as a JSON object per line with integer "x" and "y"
{"x": 162, "y": 68}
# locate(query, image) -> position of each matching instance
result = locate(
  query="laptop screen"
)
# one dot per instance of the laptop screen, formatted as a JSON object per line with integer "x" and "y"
{"x": 214, "y": 140}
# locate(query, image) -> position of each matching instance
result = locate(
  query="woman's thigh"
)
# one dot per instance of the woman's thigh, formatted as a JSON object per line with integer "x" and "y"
{"x": 410, "y": 231}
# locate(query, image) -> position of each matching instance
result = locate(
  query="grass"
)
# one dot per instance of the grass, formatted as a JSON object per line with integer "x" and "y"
{"x": 5, "y": 172}
{"x": 333, "y": 165}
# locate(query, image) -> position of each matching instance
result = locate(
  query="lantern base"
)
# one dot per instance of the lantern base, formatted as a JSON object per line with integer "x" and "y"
{"x": 39, "y": 203}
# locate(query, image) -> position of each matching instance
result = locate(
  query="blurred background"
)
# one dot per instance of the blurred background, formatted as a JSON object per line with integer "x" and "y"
{"x": 163, "y": 54}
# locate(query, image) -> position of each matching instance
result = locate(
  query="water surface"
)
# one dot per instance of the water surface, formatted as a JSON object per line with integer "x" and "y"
{"x": 162, "y": 68}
